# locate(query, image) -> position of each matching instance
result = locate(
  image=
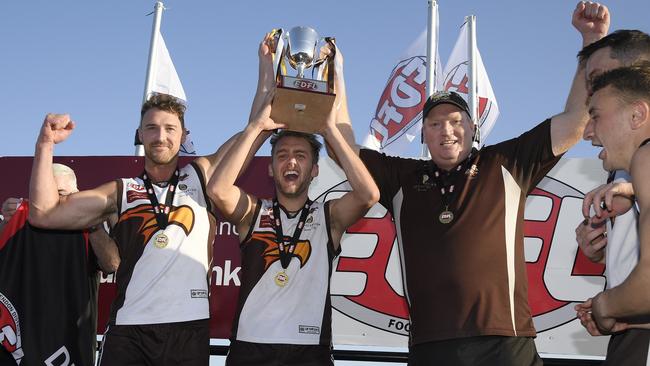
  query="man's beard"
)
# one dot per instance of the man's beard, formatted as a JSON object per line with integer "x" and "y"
{"x": 300, "y": 189}
{"x": 160, "y": 159}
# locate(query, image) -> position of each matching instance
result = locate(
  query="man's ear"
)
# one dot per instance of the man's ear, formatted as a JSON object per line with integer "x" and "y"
{"x": 184, "y": 135}
{"x": 640, "y": 113}
{"x": 270, "y": 171}
{"x": 314, "y": 171}
{"x": 140, "y": 135}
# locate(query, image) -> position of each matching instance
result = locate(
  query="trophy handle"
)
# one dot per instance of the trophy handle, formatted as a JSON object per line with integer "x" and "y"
{"x": 330, "y": 63}
{"x": 278, "y": 50}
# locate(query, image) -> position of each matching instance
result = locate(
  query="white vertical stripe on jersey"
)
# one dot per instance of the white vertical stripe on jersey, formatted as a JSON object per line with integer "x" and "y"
{"x": 512, "y": 197}
{"x": 398, "y": 200}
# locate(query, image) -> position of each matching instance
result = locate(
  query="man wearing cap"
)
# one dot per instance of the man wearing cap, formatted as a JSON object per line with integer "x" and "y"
{"x": 459, "y": 222}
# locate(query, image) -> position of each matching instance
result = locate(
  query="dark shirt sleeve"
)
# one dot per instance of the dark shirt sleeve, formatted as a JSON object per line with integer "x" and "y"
{"x": 528, "y": 157}
{"x": 384, "y": 169}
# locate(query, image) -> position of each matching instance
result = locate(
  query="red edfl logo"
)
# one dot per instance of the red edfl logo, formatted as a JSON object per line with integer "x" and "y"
{"x": 305, "y": 84}
{"x": 457, "y": 80}
{"x": 10, "y": 329}
{"x": 400, "y": 104}
{"x": 559, "y": 275}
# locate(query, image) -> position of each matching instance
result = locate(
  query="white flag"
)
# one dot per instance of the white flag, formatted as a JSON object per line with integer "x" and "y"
{"x": 165, "y": 80}
{"x": 455, "y": 79}
{"x": 396, "y": 126}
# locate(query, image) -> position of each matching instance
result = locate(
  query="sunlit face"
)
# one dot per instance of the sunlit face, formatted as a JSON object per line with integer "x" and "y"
{"x": 609, "y": 127}
{"x": 448, "y": 133}
{"x": 161, "y": 134}
{"x": 65, "y": 184}
{"x": 599, "y": 62}
{"x": 292, "y": 166}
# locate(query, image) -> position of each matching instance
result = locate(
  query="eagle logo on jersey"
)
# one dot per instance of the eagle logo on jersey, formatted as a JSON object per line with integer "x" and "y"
{"x": 182, "y": 216}
{"x": 272, "y": 251}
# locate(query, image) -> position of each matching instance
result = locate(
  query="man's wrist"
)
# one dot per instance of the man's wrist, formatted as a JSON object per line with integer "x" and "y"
{"x": 589, "y": 39}
{"x": 329, "y": 131}
{"x": 253, "y": 128}
{"x": 44, "y": 146}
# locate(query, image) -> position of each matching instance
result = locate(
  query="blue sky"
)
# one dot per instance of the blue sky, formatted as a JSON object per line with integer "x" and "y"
{"x": 88, "y": 58}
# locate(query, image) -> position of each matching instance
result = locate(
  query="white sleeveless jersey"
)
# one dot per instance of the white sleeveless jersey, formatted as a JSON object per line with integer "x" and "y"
{"x": 298, "y": 312}
{"x": 622, "y": 250}
{"x": 163, "y": 283}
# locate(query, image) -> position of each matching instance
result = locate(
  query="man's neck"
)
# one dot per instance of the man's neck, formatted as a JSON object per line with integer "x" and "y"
{"x": 160, "y": 172}
{"x": 292, "y": 204}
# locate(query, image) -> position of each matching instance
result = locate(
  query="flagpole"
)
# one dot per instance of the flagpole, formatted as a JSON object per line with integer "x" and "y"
{"x": 158, "y": 9}
{"x": 432, "y": 46}
{"x": 432, "y": 56}
{"x": 471, "y": 44}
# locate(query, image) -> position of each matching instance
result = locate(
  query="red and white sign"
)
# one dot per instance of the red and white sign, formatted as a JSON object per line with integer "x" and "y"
{"x": 455, "y": 78}
{"x": 396, "y": 125}
{"x": 367, "y": 293}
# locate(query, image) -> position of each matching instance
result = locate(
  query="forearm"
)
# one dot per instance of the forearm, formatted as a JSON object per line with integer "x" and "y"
{"x": 105, "y": 248}
{"x": 362, "y": 184}
{"x": 632, "y": 298}
{"x": 568, "y": 126}
{"x": 343, "y": 120}
{"x": 43, "y": 192}
{"x": 222, "y": 183}
{"x": 629, "y": 299}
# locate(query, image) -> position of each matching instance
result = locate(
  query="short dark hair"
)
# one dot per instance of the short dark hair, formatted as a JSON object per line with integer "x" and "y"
{"x": 310, "y": 138}
{"x": 630, "y": 82}
{"x": 628, "y": 46}
{"x": 167, "y": 103}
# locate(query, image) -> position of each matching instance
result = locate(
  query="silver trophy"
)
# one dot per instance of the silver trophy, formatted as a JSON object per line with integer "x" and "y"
{"x": 303, "y": 100}
{"x": 301, "y": 48}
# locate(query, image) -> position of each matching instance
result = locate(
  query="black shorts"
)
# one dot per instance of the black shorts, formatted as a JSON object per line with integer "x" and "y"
{"x": 628, "y": 348}
{"x": 476, "y": 351}
{"x": 168, "y": 344}
{"x": 263, "y": 354}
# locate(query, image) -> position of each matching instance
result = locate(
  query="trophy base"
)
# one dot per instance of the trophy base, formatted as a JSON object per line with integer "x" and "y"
{"x": 300, "y": 110}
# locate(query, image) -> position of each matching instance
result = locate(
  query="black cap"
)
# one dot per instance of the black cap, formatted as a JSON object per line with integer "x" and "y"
{"x": 445, "y": 97}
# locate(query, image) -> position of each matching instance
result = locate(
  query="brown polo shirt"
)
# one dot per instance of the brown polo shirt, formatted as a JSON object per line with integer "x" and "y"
{"x": 468, "y": 277}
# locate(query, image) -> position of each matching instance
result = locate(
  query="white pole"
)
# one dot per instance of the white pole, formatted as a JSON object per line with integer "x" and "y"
{"x": 432, "y": 57}
{"x": 432, "y": 46}
{"x": 471, "y": 43}
{"x": 157, "y": 15}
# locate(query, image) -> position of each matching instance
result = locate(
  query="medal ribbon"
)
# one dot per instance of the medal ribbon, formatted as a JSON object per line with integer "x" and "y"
{"x": 162, "y": 215}
{"x": 285, "y": 257}
{"x": 446, "y": 181}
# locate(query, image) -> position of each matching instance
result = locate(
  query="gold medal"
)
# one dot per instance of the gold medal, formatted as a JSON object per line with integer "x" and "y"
{"x": 281, "y": 279}
{"x": 446, "y": 217}
{"x": 160, "y": 241}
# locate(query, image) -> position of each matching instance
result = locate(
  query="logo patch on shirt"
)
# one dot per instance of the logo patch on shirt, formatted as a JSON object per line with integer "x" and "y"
{"x": 198, "y": 294}
{"x": 272, "y": 251}
{"x": 308, "y": 329}
{"x": 266, "y": 220}
{"x": 144, "y": 217}
{"x": 137, "y": 187}
{"x": 425, "y": 183}
{"x": 132, "y": 196}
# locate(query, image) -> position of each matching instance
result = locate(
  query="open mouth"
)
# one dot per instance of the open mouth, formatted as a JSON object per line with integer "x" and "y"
{"x": 291, "y": 175}
{"x": 449, "y": 143}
